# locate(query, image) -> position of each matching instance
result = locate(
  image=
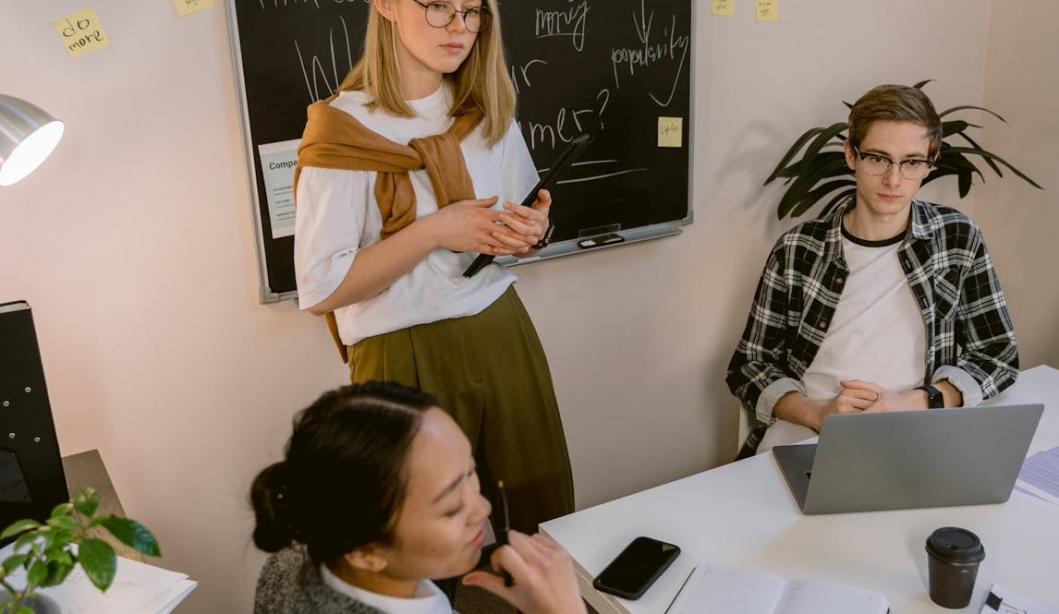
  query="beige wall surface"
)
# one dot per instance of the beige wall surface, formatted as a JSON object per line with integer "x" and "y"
{"x": 134, "y": 245}
{"x": 1020, "y": 221}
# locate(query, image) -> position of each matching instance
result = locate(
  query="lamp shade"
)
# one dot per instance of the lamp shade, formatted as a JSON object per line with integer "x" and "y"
{"x": 27, "y": 136}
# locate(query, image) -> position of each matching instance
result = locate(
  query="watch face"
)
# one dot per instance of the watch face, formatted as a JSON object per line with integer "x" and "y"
{"x": 935, "y": 399}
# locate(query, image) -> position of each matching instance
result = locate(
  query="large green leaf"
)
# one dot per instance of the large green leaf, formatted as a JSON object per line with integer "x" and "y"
{"x": 99, "y": 562}
{"x": 825, "y": 165}
{"x": 86, "y": 501}
{"x": 133, "y": 534}
{"x": 992, "y": 156}
{"x": 18, "y": 527}
{"x": 793, "y": 151}
{"x": 823, "y": 139}
{"x": 817, "y": 194}
{"x": 967, "y": 107}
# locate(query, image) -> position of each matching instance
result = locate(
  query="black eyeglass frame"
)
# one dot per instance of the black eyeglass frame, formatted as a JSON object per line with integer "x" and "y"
{"x": 485, "y": 16}
{"x": 890, "y": 164}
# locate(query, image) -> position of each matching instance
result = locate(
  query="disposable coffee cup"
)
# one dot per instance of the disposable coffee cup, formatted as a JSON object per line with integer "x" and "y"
{"x": 952, "y": 565}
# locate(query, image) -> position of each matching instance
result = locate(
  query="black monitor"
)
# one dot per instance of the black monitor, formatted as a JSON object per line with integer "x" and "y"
{"x": 32, "y": 481}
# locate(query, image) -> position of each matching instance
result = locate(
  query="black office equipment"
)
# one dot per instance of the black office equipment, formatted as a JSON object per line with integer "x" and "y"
{"x": 566, "y": 157}
{"x": 32, "y": 481}
{"x": 620, "y": 71}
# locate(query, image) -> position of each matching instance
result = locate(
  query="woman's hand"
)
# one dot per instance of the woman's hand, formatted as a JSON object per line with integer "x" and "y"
{"x": 544, "y": 580}
{"x": 468, "y": 226}
{"x": 524, "y": 227}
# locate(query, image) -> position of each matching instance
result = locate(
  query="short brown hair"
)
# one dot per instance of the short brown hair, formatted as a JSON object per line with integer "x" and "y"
{"x": 897, "y": 103}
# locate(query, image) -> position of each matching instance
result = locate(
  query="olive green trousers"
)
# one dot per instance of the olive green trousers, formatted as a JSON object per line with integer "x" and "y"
{"x": 490, "y": 374}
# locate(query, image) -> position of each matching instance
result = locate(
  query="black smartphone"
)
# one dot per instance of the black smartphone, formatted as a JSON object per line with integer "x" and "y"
{"x": 636, "y": 568}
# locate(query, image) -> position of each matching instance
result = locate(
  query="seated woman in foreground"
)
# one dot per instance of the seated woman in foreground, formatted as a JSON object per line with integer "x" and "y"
{"x": 377, "y": 496}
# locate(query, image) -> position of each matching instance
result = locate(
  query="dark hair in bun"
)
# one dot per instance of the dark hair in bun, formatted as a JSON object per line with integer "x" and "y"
{"x": 341, "y": 483}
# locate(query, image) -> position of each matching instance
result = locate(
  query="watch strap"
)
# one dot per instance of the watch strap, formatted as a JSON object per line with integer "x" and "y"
{"x": 935, "y": 399}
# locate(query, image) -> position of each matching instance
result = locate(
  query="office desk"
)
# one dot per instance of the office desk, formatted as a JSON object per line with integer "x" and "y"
{"x": 742, "y": 515}
{"x": 87, "y": 469}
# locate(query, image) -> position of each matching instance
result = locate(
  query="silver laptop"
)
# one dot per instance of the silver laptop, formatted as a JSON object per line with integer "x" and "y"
{"x": 910, "y": 459}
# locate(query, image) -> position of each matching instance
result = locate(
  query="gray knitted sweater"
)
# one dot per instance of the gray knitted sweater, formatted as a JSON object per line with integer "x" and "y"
{"x": 291, "y": 584}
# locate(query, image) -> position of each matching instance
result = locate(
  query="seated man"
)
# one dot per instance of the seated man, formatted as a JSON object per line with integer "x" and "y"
{"x": 887, "y": 303}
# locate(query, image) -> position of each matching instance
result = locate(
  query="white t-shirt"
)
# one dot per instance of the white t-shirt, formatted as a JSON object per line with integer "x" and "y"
{"x": 428, "y": 598}
{"x": 877, "y": 333}
{"x": 338, "y": 215}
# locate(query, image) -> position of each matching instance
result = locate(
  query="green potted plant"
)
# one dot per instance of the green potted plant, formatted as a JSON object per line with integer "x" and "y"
{"x": 48, "y": 551}
{"x": 821, "y": 172}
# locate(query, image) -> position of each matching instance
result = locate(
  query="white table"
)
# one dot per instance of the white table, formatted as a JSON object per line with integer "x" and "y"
{"x": 742, "y": 515}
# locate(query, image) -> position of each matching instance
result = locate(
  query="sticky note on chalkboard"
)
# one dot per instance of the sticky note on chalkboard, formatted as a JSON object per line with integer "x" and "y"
{"x": 187, "y": 7}
{"x": 80, "y": 32}
{"x": 670, "y": 131}
{"x": 766, "y": 10}
{"x": 724, "y": 8}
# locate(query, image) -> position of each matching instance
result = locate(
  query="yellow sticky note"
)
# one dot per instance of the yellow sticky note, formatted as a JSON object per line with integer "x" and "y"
{"x": 766, "y": 10}
{"x": 187, "y": 7}
{"x": 723, "y": 7}
{"x": 670, "y": 131}
{"x": 80, "y": 32}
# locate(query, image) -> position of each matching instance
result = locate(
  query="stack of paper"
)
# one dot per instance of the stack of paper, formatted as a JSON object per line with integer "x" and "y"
{"x": 138, "y": 588}
{"x": 1004, "y": 601}
{"x": 1040, "y": 476}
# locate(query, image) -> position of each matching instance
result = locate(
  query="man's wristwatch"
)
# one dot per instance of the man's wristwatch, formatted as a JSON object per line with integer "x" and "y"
{"x": 935, "y": 400}
{"x": 547, "y": 238}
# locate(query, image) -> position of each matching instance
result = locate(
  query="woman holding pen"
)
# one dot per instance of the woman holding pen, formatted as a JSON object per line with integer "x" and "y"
{"x": 377, "y": 494}
{"x": 403, "y": 177}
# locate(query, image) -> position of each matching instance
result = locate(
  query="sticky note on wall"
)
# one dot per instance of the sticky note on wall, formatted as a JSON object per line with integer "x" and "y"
{"x": 766, "y": 10}
{"x": 80, "y": 32}
{"x": 724, "y": 8}
{"x": 187, "y": 7}
{"x": 670, "y": 131}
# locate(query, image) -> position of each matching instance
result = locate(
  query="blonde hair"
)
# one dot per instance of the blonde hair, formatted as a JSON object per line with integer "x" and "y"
{"x": 481, "y": 82}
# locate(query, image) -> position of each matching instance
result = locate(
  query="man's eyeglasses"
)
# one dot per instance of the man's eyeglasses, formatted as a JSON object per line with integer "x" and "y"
{"x": 440, "y": 14}
{"x": 878, "y": 164}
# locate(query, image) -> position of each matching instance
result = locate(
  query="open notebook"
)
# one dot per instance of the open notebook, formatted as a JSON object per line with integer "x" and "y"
{"x": 712, "y": 589}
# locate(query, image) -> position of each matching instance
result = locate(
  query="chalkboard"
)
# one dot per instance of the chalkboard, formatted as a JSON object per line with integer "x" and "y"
{"x": 618, "y": 69}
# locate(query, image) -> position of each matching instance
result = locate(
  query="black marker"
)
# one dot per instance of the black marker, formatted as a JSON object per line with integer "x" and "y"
{"x": 505, "y": 524}
{"x": 568, "y": 155}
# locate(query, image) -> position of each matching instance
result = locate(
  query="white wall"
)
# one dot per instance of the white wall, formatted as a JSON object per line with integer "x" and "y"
{"x": 134, "y": 246}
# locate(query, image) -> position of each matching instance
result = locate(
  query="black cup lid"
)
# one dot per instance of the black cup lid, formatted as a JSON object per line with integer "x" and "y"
{"x": 955, "y": 545}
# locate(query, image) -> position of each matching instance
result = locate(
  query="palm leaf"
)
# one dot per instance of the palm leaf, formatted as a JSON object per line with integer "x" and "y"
{"x": 814, "y": 196}
{"x": 967, "y": 107}
{"x": 991, "y": 156}
{"x": 825, "y": 165}
{"x": 793, "y": 151}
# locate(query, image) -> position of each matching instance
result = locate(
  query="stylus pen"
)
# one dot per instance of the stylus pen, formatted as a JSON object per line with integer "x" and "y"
{"x": 680, "y": 590}
{"x": 505, "y": 524}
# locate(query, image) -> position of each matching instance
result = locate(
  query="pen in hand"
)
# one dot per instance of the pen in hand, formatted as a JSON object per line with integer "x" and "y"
{"x": 503, "y": 520}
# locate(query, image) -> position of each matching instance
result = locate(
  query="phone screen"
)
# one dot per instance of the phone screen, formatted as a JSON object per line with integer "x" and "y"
{"x": 636, "y": 568}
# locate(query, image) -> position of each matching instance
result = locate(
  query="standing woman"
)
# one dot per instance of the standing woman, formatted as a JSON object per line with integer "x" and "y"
{"x": 405, "y": 175}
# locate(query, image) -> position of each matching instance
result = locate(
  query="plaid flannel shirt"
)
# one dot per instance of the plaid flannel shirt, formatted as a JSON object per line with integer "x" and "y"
{"x": 970, "y": 337}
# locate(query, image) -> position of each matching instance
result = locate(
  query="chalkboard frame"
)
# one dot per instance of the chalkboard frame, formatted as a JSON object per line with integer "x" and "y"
{"x": 587, "y": 240}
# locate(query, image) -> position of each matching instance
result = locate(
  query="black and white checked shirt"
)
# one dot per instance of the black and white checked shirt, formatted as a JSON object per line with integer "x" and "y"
{"x": 970, "y": 337}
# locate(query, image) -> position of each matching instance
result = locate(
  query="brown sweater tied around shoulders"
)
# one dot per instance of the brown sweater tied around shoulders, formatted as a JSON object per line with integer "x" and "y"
{"x": 335, "y": 139}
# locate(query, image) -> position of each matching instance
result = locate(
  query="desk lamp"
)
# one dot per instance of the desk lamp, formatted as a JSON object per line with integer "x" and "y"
{"x": 28, "y": 134}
